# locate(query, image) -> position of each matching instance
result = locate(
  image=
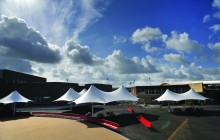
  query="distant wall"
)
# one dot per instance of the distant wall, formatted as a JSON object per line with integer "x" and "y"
{"x": 198, "y": 87}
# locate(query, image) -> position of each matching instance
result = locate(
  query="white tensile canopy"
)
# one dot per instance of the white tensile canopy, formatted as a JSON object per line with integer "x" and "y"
{"x": 70, "y": 95}
{"x": 189, "y": 95}
{"x": 121, "y": 94}
{"x": 192, "y": 95}
{"x": 82, "y": 92}
{"x": 94, "y": 95}
{"x": 169, "y": 96}
{"x": 14, "y": 97}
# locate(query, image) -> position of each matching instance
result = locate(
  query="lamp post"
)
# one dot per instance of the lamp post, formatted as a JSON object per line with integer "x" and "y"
{"x": 149, "y": 81}
{"x": 107, "y": 80}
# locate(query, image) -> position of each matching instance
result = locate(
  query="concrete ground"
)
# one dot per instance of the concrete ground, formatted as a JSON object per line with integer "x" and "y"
{"x": 42, "y": 128}
{"x": 181, "y": 124}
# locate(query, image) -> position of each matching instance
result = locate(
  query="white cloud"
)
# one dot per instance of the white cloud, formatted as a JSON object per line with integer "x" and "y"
{"x": 216, "y": 3}
{"x": 206, "y": 18}
{"x": 54, "y": 18}
{"x": 146, "y": 34}
{"x": 119, "y": 39}
{"x": 215, "y": 28}
{"x": 80, "y": 54}
{"x": 148, "y": 48}
{"x": 182, "y": 43}
{"x": 184, "y": 73}
{"x": 15, "y": 64}
{"x": 216, "y": 15}
{"x": 193, "y": 72}
{"x": 215, "y": 48}
{"x": 89, "y": 13}
{"x": 18, "y": 40}
{"x": 119, "y": 63}
{"x": 145, "y": 37}
{"x": 211, "y": 73}
{"x": 175, "y": 58}
{"x": 170, "y": 73}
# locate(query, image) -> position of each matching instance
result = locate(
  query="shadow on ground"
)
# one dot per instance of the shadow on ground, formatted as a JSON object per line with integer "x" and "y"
{"x": 84, "y": 110}
{"x": 196, "y": 112}
{"x": 8, "y": 116}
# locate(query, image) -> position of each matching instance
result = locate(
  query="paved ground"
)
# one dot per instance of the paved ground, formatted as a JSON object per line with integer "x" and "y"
{"x": 42, "y": 128}
{"x": 183, "y": 124}
{"x": 178, "y": 125}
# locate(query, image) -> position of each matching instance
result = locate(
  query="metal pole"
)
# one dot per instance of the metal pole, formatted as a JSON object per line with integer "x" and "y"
{"x": 70, "y": 106}
{"x": 14, "y": 109}
{"x": 92, "y": 109}
{"x": 168, "y": 106}
{"x": 193, "y": 104}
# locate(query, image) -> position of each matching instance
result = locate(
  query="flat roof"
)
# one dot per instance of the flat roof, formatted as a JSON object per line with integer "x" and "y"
{"x": 192, "y": 82}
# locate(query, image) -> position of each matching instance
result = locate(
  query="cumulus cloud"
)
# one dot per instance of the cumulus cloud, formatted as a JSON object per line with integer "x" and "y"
{"x": 119, "y": 39}
{"x": 183, "y": 73}
{"x": 211, "y": 73}
{"x": 15, "y": 64}
{"x": 215, "y": 48}
{"x": 145, "y": 37}
{"x": 175, "y": 58}
{"x": 56, "y": 17}
{"x": 216, "y": 15}
{"x": 193, "y": 72}
{"x": 119, "y": 63}
{"x": 149, "y": 48}
{"x": 215, "y": 28}
{"x": 80, "y": 54}
{"x": 19, "y": 40}
{"x": 171, "y": 73}
{"x": 206, "y": 18}
{"x": 88, "y": 14}
{"x": 216, "y": 4}
{"x": 182, "y": 43}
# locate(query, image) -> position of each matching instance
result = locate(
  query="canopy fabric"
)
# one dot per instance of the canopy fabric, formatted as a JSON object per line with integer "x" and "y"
{"x": 121, "y": 94}
{"x": 192, "y": 95}
{"x": 189, "y": 95}
{"x": 82, "y": 92}
{"x": 14, "y": 97}
{"x": 70, "y": 95}
{"x": 92, "y": 95}
{"x": 169, "y": 96}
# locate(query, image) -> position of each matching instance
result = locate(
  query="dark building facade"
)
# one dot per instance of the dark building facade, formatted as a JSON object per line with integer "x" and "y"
{"x": 9, "y": 76}
{"x": 103, "y": 87}
{"x": 43, "y": 93}
{"x": 37, "y": 89}
{"x": 40, "y": 93}
{"x": 149, "y": 93}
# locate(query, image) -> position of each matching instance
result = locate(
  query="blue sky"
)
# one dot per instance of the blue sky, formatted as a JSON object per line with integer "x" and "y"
{"x": 122, "y": 40}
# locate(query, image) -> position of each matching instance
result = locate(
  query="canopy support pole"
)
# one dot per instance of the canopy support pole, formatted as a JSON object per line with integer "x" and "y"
{"x": 92, "y": 109}
{"x": 14, "y": 109}
{"x": 12, "y": 106}
{"x": 169, "y": 106}
{"x": 193, "y": 103}
{"x": 70, "y": 106}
